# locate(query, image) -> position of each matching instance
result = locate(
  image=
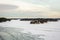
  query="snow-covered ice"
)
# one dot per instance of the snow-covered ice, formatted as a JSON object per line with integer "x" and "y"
{"x": 51, "y": 30}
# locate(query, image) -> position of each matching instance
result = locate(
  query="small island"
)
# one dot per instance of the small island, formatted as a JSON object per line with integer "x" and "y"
{"x": 32, "y": 20}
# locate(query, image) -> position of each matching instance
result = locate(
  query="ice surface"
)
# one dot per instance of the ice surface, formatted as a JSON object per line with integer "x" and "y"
{"x": 47, "y": 31}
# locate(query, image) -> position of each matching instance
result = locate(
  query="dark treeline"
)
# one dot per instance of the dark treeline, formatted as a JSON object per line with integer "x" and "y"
{"x": 4, "y": 19}
{"x": 33, "y": 20}
{"x": 40, "y": 20}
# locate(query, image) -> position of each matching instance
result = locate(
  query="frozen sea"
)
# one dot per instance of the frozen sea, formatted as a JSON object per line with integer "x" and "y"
{"x": 23, "y": 30}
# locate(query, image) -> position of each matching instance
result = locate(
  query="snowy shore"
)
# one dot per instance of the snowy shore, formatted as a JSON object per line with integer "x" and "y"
{"x": 50, "y": 30}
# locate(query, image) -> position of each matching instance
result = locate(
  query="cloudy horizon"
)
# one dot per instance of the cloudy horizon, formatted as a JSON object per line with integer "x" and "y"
{"x": 30, "y": 8}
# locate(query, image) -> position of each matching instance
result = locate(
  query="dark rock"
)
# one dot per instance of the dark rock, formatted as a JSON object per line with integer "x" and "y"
{"x": 4, "y": 19}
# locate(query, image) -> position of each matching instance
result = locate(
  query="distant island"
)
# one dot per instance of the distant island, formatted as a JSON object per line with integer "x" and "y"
{"x": 32, "y": 20}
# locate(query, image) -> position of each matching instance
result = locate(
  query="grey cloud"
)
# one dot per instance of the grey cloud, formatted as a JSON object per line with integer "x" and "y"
{"x": 55, "y": 5}
{"x": 7, "y": 7}
{"x": 22, "y": 14}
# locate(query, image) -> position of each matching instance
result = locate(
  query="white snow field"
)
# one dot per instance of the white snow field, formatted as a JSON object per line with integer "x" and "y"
{"x": 23, "y": 30}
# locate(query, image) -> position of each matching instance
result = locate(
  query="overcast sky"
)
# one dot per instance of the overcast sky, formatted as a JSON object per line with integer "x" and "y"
{"x": 30, "y": 8}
